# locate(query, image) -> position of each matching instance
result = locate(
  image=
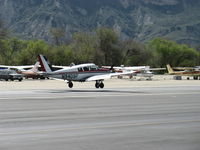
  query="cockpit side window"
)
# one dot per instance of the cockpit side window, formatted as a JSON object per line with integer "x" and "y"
{"x": 80, "y": 69}
{"x": 85, "y": 68}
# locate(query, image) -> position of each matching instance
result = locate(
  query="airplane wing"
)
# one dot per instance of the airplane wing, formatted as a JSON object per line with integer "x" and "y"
{"x": 107, "y": 76}
{"x": 183, "y": 68}
{"x": 157, "y": 69}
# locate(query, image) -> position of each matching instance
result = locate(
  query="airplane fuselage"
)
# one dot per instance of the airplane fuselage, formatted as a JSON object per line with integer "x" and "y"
{"x": 78, "y": 74}
{"x": 187, "y": 73}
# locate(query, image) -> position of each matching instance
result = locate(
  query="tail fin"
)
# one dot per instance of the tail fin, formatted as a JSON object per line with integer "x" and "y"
{"x": 169, "y": 69}
{"x": 44, "y": 64}
{"x": 35, "y": 68}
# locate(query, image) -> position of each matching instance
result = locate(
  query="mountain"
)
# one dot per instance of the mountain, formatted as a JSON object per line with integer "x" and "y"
{"x": 142, "y": 20}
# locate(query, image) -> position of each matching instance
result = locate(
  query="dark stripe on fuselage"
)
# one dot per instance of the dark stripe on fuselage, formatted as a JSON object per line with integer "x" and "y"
{"x": 83, "y": 72}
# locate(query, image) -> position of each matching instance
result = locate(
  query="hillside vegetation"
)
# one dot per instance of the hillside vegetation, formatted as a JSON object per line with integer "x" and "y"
{"x": 103, "y": 47}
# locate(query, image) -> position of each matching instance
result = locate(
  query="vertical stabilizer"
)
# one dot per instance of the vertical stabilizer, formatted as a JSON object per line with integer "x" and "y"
{"x": 44, "y": 64}
{"x": 35, "y": 68}
{"x": 169, "y": 69}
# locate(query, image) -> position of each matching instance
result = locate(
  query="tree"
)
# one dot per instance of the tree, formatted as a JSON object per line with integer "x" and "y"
{"x": 61, "y": 55}
{"x": 135, "y": 53}
{"x": 28, "y": 55}
{"x": 108, "y": 45}
{"x": 169, "y": 52}
{"x": 84, "y": 47}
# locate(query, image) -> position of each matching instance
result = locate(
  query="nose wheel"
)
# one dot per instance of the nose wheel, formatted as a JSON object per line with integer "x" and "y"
{"x": 99, "y": 84}
{"x": 70, "y": 84}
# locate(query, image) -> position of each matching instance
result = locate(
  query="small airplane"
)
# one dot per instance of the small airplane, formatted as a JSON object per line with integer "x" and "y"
{"x": 140, "y": 71}
{"x": 81, "y": 73}
{"x": 195, "y": 74}
{"x": 31, "y": 73}
{"x": 9, "y": 74}
{"x": 2, "y": 67}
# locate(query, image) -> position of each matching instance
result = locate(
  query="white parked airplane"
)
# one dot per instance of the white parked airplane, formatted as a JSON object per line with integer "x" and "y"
{"x": 2, "y": 67}
{"x": 141, "y": 71}
{"x": 31, "y": 73}
{"x": 80, "y": 73}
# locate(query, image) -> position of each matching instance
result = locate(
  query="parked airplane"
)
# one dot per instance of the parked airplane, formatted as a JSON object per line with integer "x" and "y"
{"x": 2, "y": 67}
{"x": 140, "y": 71}
{"x": 80, "y": 73}
{"x": 9, "y": 74}
{"x": 31, "y": 73}
{"x": 195, "y": 74}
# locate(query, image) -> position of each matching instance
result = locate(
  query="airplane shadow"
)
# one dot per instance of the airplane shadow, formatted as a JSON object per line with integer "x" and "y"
{"x": 95, "y": 91}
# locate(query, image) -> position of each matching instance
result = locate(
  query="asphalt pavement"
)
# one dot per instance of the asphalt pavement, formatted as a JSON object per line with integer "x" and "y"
{"x": 125, "y": 115}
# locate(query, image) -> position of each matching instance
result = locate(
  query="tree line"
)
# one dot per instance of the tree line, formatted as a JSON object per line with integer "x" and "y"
{"x": 102, "y": 47}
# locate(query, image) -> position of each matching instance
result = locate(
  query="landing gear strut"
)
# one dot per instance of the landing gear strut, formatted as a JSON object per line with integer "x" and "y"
{"x": 99, "y": 84}
{"x": 195, "y": 77}
{"x": 70, "y": 84}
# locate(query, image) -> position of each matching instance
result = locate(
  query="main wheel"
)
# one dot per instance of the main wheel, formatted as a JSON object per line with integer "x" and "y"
{"x": 70, "y": 84}
{"x": 101, "y": 85}
{"x": 97, "y": 85}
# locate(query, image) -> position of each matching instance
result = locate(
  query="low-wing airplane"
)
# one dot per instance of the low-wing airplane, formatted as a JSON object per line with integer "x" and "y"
{"x": 31, "y": 71}
{"x": 138, "y": 71}
{"x": 141, "y": 71}
{"x": 2, "y": 67}
{"x": 9, "y": 74}
{"x": 195, "y": 74}
{"x": 81, "y": 73}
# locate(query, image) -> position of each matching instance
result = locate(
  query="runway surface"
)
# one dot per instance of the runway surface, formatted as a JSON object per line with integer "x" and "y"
{"x": 130, "y": 116}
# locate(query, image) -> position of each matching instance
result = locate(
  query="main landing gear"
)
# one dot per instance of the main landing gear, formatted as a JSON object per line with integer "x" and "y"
{"x": 70, "y": 84}
{"x": 99, "y": 84}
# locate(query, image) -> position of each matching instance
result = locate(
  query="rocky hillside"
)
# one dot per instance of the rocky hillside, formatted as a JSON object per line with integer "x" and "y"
{"x": 140, "y": 19}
